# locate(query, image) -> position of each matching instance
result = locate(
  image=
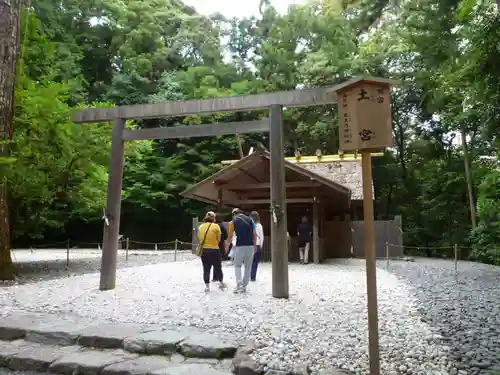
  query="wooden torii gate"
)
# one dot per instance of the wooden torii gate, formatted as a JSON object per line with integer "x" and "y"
{"x": 274, "y": 102}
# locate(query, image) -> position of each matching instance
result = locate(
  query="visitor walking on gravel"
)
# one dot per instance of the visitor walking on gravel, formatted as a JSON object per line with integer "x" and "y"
{"x": 304, "y": 239}
{"x": 259, "y": 230}
{"x": 209, "y": 234}
{"x": 222, "y": 246}
{"x": 244, "y": 228}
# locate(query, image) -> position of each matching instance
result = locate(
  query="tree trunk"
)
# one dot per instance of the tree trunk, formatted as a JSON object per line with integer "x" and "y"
{"x": 9, "y": 47}
{"x": 240, "y": 147}
{"x": 468, "y": 177}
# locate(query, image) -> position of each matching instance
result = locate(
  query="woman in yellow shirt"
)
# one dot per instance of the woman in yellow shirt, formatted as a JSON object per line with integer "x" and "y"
{"x": 209, "y": 234}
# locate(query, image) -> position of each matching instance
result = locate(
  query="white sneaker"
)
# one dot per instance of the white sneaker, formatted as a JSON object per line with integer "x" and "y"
{"x": 207, "y": 289}
{"x": 237, "y": 290}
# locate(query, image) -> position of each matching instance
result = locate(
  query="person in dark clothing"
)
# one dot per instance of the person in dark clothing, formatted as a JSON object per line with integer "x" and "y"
{"x": 222, "y": 248}
{"x": 304, "y": 239}
{"x": 224, "y": 236}
{"x": 254, "y": 215}
{"x": 246, "y": 237}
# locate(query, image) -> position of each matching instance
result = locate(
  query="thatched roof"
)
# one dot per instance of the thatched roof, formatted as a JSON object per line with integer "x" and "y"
{"x": 346, "y": 173}
{"x": 247, "y": 180}
{"x": 343, "y": 170}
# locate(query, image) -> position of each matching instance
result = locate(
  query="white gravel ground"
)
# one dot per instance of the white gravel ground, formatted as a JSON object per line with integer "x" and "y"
{"x": 429, "y": 324}
{"x": 46, "y": 264}
{"x": 40, "y": 255}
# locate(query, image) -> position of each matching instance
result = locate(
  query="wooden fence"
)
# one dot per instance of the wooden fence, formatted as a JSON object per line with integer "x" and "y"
{"x": 389, "y": 231}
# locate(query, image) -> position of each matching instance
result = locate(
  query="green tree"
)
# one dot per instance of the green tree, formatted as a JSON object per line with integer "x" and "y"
{"x": 485, "y": 238}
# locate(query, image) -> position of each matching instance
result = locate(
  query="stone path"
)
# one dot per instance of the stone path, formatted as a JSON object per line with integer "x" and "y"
{"x": 45, "y": 343}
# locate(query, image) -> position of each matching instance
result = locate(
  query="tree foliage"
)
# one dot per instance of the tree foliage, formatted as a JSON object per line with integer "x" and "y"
{"x": 102, "y": 53}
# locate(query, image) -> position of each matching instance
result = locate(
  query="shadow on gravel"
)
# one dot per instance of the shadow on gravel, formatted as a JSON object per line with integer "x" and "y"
{"x": 463, "y": 309}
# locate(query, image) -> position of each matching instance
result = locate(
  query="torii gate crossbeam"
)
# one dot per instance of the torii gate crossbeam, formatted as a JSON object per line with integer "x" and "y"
{"x": 274, "y": 102}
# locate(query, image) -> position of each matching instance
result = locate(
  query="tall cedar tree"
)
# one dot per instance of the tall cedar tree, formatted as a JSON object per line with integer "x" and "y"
{"x": 9, "y": 47}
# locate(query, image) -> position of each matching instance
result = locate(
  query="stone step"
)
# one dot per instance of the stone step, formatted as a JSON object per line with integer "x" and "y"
{"x": 152, "y": 340}
{"x": 22, "y": 355}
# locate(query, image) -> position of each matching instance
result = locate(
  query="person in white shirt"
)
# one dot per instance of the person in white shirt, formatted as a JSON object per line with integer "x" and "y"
{"x": 258, "y": 246}
{"x": 231, "y": 249}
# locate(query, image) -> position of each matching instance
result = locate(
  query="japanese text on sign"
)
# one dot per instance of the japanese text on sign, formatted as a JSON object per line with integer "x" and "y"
{"x": 364, "y": 117}
{"x": 366, "y": 135}
{"x": 363, "y": 95}
{"x": 346, "y": 122}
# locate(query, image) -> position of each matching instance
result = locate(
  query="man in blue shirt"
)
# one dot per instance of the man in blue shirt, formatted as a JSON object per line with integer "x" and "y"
{"x": 246, "y": 239}
{"x": 304, "y": 237}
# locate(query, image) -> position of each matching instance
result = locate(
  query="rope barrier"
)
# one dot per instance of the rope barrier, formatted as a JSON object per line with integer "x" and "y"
{"x": 455, "y": 248}
{"x": 80, "y": 243}
{"x": 185, "y": 243}
{"x": 122, "y": 241}
{"x": 85, "y": 243}
{"x": 422, "y": 247}
{"x": 125, "y": 246}
{"x": 75, "y": 243}
{"x": 152, "y": 243}
{"x": 42, "y": 246}
{"x": 430, "y": 247}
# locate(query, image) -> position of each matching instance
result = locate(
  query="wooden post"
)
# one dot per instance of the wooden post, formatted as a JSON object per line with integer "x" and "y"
{"x": 67, "y": 253}
{"x": 113, "y": 208}
{"x": 371, "y": 266}
{"x": 315, "y": 231}
{"x": 279, "y": 250}
{"x": 321, "y": 233}
{"x": 387, "y": 254}
{"x": 126, "y": 248}
{"x": 455, "y": 250}
{"x": 194, "y": 236}
{"x": 175, "y": 250}
{"x": 398, "y": 238}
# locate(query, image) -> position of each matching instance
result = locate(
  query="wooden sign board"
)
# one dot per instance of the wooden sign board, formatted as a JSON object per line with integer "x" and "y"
{"x": 365, "y": 116}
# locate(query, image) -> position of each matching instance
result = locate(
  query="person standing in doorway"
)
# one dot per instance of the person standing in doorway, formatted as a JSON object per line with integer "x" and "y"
{"x": 259, "y": 230}
{"x": 209, "y": 234}
{"x": 304, "y": 240}
{"x": 244, "y": 228}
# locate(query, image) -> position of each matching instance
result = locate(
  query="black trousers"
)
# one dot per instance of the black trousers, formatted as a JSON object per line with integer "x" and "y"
{"x": 211, "y": 258}
{"x": 222, "y": 248}
{"x": 217, "y": 276}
